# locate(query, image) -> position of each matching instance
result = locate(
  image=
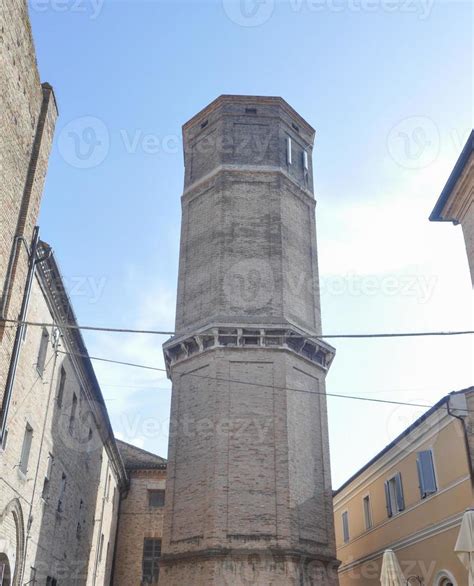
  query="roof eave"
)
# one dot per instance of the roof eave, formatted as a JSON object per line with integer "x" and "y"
{"x": 458, "y": 168}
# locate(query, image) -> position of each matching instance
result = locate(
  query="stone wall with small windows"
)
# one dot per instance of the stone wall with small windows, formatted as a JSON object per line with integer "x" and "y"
{"x": 27, "y": 124}
{"x": 140, "y": 519}
{"x": 59, "y": 464}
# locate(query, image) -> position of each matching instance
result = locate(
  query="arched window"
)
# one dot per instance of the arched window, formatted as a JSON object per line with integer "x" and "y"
{"x": 445, "y": 578}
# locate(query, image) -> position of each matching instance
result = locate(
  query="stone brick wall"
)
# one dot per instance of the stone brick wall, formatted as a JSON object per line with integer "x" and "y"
{"x": 105, "y": 525}
{"x": 70, "y": 452}
{"x": 256, "y": 262}
{"x": 137, "y": 521}
{"x": 249, "y": 484}
{"x": 27, "y": 121}
{"x": 71, "y": 448}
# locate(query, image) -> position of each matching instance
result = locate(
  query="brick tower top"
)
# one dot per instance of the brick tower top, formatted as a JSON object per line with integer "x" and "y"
{"x": 248, "y": 248}
{"x": 251, "y": 131}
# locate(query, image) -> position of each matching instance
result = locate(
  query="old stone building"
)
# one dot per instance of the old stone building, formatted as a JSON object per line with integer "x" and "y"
{"x": 59, "y": 457}
{"x": 28, "y": 116}
{"x": 60, "y": 471}
{"x": 249, "y": 487}
{"x": 138, "y": 545}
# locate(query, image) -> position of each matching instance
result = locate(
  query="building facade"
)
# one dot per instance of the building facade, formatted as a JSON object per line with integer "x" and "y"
{"x": 249, "y": 486}
{"x": 456, "y": 202}
{"x": 140, "y": 532}
{"x": 411, "y": 498}
{"x": 27, "y": 124}
{"x": 59, "y": 464}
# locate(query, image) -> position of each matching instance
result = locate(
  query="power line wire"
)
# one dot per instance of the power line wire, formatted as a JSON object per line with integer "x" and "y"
{"x": 171, "y": 333}
{"x": 311, "y": 392}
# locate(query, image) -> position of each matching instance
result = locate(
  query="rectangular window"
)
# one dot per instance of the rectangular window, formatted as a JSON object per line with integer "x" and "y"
{"x": 305, "y": 161}
{"x": 101, "y": 546}
{"x": 367, "y": 512}
{"x": 150, "y": 563}
{"x": 51, "y": 581}
{"x": 42, "y": 351}
{"x": 426, "y": 473}
{"x": 25, "y": 450}
{"x": 47, "y": 478}
{"x": 394, "y": 495}
{"x": 72, "y": 416}
{"x": 345, "y": 526}
{"x": 289, "y": 157}
{"x": 156, "y": 498}
{"x": 62, "y": 382}
{"x": 62, "y": 493}
{"x": 4, "y": 439}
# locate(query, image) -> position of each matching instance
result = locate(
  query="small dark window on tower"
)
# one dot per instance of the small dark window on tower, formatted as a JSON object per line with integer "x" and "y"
{"x": 250, "y": 110}
{"x": 204, "y": 124}
{"x": 156, "y": 498}
{"x": 62, "y": 493}
{"x": 297, "y": 128}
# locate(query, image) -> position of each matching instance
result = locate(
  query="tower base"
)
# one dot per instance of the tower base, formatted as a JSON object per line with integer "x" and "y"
{"x": 247, "y": 568}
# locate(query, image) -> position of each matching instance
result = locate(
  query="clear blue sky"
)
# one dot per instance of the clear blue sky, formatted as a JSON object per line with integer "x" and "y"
{"x": 390, "y": 94}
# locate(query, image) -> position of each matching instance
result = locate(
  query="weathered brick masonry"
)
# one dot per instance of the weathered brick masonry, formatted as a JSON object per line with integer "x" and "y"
{"x": 138, "y": 520}
{"x": 249, "y": 486}
{"x": 60, "y": 471}
{"x": 27, "y": 119}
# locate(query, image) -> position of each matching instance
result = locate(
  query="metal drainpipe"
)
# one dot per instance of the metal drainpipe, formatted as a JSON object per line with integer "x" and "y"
{"x": 122, "y": 496}
{"x": 466, "y": 440}
{"x": 33, "y": 261}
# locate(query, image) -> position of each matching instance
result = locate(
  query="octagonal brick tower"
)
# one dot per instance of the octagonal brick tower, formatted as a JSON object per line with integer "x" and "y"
{"x": 248, "y": 496}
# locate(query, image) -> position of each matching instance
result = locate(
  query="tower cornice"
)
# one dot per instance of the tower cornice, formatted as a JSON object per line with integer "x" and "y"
{"x": 256, "y": 170}
{"x": 248, "y": 100}
{"x": 311, "y": 348}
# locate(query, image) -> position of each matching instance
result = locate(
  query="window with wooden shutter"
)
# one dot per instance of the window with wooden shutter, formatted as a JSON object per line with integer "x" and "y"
{"x": 400, "y": 495}
{"x": 345, "y": 526}
{"x": 426, "y": 473}
{"x": 394, "y": 496}
{"x": 367, "y": 512}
